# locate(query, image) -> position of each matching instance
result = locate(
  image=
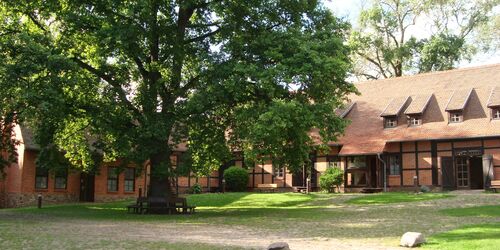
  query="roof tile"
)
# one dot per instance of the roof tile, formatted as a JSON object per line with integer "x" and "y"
{"x": 459, "y": 99}
{"x": 418, "y": 104}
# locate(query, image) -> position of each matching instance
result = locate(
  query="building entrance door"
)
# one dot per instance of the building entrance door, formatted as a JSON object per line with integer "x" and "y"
{"x": 462, "y": 164}
{"x": 87, "y": 187}
{"x": 448, "y": 173}
{"x": 476, "y": 173}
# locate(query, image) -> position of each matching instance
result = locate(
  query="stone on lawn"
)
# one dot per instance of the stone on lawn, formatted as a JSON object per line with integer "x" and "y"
{"x": 278, "y": 246}
{"x": 412, "y": 239}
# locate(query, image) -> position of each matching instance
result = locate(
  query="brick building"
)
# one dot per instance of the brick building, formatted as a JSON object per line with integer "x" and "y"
{"x": 437, "y": 129}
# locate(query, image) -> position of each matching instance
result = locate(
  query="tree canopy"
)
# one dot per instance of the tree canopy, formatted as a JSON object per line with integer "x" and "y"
{"x": 109, "y": 79}
{"x": 384, "y": 45}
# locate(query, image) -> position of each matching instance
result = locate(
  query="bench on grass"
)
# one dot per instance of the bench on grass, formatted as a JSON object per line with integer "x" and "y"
{"x": 300, "y": 190}
{"x": 138, "y": 206}
{"x": 181, "y": 206}
{"x": 267, "y": 187}
{"x": 495, "y": 185}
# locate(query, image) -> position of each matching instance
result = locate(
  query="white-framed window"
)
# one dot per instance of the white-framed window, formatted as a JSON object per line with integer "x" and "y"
{"x": 414, "y": 120}
{"x": 390, "y": 122}
{"x": 495, "y": 113}
{"x": 333, "y": 162}
{"x": 279, "y": 171}
{"x": 456, "y": 117}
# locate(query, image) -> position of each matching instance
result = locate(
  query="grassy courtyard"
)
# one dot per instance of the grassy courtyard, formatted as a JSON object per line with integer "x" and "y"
{"x": 252, "y": 220}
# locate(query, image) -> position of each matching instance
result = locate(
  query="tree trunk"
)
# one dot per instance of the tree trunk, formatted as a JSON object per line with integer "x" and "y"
{"x": 161, "y": 169}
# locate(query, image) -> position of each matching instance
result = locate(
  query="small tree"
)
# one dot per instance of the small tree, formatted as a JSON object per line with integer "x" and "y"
{"x": 331, "y": 179}
{"x": 236, "y": 178}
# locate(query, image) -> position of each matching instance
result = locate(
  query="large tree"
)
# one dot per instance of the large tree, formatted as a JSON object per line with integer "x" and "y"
{"x": 130, "y": 80}
{"x": 388, "y": 44}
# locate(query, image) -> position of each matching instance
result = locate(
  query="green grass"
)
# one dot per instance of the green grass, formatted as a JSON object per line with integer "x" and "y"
{"x": 389, "y": 198}
{"x": 482, "y": 236}
{"x": 479, "y": 211}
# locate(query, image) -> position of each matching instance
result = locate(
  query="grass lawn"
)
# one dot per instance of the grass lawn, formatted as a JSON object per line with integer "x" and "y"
{"x": 250, "y": 220}
{"x": 482, "y": 236}
{"x": 395, "y": 197}
{"x": 481, "y": 211}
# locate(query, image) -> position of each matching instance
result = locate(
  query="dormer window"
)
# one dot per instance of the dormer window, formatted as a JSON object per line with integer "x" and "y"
{"x": 495, "y": 113}
{"x": 390, "y": 122}
{"x": 456, "y": 117}
{"x": 414, "y": 120}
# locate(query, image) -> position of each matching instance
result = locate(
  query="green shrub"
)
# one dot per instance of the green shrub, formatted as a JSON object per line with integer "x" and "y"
{"x": 195, "y": 189}
{"x": 330, "y": 179}
{"x": 236, "y": 179}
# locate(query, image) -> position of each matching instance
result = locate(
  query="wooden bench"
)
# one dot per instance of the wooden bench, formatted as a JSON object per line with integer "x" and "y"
{"x": 181, "y": 206}
{"x": 267, "y": 187}
{"x": 495, "y": 185}
{"x": 300, "y": 190}
{"x": 137, "y": 207}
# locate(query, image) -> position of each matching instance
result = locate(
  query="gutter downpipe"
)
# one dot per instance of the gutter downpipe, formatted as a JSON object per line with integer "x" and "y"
{"x": 385, "y": 171}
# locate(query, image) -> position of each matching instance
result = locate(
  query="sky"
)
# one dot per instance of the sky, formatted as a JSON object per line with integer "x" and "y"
{"x": 350, "y": 9}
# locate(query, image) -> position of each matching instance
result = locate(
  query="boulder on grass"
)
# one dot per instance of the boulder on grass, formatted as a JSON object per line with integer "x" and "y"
{"x": 412, "y": 239}
{"x": 278, "y": 246}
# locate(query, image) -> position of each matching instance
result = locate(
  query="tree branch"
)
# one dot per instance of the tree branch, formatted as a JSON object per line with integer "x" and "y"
{"x": 202, "y": 37}
{"x": 109, "y": 79}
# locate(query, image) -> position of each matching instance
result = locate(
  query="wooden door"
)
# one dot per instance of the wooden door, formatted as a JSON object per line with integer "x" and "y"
{"x": 476, "y": 173}
{"x": 448, "y": 173}
{"x": 462, "y": 168}
{"x": 87, "y": 187}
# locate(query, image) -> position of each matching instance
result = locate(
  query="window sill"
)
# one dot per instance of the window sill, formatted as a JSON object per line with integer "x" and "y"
{"x": 129, "y": 192}
{"x": 41, "y": 190}
{"x": 112, "y": 192}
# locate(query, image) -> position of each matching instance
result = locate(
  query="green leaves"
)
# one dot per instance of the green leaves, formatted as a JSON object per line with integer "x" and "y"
{"x": 130, "y": 80}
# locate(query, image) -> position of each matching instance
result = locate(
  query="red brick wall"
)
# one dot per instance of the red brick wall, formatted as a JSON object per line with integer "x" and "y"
{"x": 101, "y": 192}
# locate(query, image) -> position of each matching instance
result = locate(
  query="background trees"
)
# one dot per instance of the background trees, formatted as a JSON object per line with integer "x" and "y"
{"x": 103, "y": 80}
{"x": 392, "y": 38}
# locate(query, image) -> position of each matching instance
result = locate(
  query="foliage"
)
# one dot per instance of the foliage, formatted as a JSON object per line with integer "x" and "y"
{"x": 385, "y": 46}
{"x": 480, "y": 236}
{"x": 195, "y": 189}
{"x": 236, "y": 178}
{"x": 131, "y": 80}
{"x": 332, "y": 178}
{"x": 389, "y": 198}
{"x": 424, "y": 189}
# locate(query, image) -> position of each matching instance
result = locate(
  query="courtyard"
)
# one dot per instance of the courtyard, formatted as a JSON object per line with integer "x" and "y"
{"x": 453, "y": 220}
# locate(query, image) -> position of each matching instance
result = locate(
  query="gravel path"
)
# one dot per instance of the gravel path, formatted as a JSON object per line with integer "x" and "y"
{"x": 370, "y": 227}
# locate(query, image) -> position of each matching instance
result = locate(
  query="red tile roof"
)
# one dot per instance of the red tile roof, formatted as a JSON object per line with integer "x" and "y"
{"x": 366, "y": 133}
{"x": 418, "y": 104}
{"x": 494, "y": 99}
{"x": 395, "y": 106}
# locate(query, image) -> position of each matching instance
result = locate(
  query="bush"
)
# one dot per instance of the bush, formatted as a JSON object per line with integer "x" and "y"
{"x": 332, "y": 178}
{"x": 424, "y": 189}
{"x": 236, "y": 179}
{"x": 195, "y": 189}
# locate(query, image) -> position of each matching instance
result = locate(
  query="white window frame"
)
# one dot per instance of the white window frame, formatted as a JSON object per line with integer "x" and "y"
{"x": 414, "y": 121}
{"x": 495, "y": 113}
{"x": 390, "y": 122}
{"x": 456, "y": 117}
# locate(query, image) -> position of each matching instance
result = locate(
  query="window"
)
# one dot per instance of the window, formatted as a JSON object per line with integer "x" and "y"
{"x": 112, "y": 179}
{"x": 279, "y": 172}
{"x": 390, "y": 122}
{"x": 41, "y": 178}
{"x": 394, "y": 163}
{"x": 495, "y": 113}
{"x": 358, "y": 178}
{"x": 333, "y": 162}
{"x": 414, "y": 121}
{"x": 129, "y": 180}
{"x": 456, "y": 117}
{"x": 356, "y": 162}
{"x": 61, "y": 179}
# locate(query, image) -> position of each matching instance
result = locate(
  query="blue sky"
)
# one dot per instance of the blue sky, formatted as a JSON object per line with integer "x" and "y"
{"x": 350, "y": 9}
